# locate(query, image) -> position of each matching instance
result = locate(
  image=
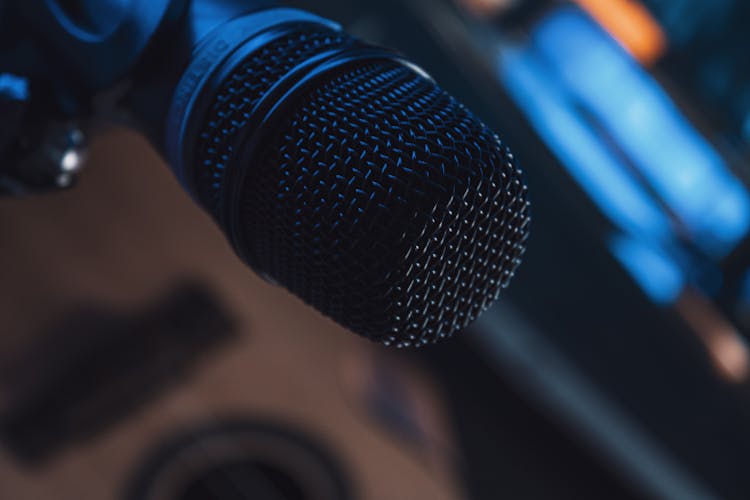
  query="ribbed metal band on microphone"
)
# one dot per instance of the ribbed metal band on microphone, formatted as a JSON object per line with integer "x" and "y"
{"x": 345, "y": 174}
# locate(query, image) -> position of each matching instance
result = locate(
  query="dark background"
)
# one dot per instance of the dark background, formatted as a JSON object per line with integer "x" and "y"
{"x": 127, "y": 319}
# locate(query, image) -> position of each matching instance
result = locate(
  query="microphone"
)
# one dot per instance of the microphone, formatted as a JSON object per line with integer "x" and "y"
{"x": 338, "y": 170}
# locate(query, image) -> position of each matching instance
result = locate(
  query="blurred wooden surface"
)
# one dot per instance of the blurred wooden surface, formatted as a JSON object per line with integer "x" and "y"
{"x": 127, "y": 232}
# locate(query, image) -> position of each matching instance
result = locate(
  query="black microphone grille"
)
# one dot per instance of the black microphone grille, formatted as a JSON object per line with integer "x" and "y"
{"x": 375, "y": 197}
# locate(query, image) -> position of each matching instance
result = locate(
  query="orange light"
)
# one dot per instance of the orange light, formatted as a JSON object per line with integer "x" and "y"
{"x": 484, "y": 8}
{"x": 725, "y": 345}
{"x": 631, "y": 25}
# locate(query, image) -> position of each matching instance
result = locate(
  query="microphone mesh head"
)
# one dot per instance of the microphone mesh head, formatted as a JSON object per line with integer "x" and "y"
{"x": 384, "y": 203}
{"x": 240, "y": 92}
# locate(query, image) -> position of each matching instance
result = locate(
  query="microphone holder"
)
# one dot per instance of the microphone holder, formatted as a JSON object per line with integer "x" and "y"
{"x": 67, "y": 63}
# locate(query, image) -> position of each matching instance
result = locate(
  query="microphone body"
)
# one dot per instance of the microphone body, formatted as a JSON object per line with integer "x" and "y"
{"x": 336, "y": 169}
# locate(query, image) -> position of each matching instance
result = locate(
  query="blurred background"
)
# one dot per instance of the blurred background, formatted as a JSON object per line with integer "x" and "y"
{"x": 140, "y": 360}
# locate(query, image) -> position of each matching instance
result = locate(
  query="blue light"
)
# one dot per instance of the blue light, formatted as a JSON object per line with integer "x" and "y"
{"x": 620, "y": 136}
{"x": 636, "y": 114}
{"x": 14, "y": 87}
{"x": 581, "y": 151}
{"x": 656, "y": 273}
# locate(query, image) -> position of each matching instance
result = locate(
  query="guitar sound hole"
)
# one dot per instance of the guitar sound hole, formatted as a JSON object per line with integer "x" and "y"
{"x": 241, "y": 460}
{"x": 244, "y": 480}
